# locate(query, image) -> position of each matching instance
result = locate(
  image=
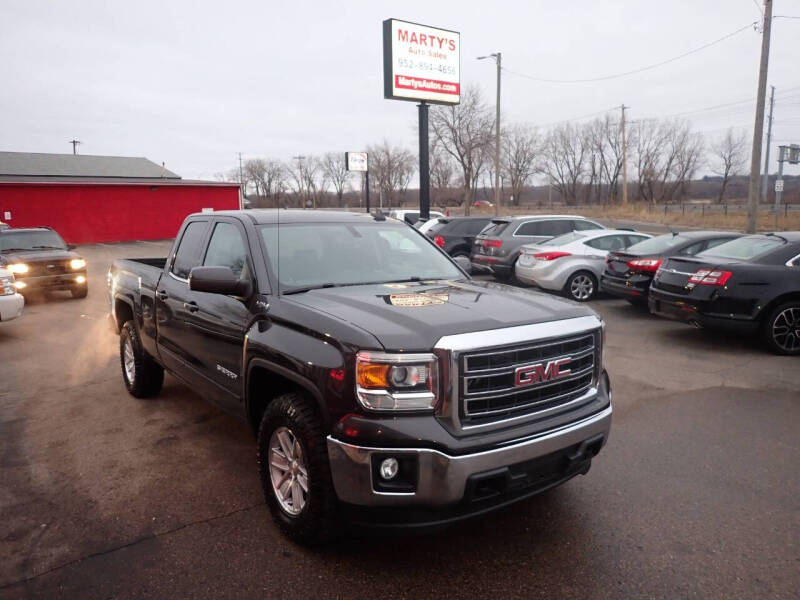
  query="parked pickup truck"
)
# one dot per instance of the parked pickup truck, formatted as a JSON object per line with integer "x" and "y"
{"x": 384, "y": 385}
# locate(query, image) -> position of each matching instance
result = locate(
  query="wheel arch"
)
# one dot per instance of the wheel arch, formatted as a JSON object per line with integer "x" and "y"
{"x": 764, "y": 313}
{"x": 123, "y": 312}
{"x": 278, "y": 380}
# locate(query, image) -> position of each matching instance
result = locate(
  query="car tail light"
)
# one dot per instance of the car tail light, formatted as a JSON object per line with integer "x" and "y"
{"x": 645, "y": 264}
{"x": 550, "y": 255}
{"x": 492, "y": 243}
{"x": 439, "y": 241}
{"x": 709, "y": 277}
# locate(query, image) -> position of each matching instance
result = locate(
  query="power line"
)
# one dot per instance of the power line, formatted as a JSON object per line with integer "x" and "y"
{"x": 635, "y": 71}
{"x": 786, "y": 17}
{"x": 758, "y": 6}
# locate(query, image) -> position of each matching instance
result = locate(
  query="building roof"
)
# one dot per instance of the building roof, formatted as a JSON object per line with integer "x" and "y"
{"x": 64, "y": 166}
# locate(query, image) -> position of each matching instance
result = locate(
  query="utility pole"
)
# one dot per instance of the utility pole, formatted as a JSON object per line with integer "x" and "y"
{"x": 498, "y": 59}
{"x": 74, "y": 146}
{"x": 624, "y": 160}
{"x": 758, "y": 126}
{"x": 241, "y": 178}
{"x": 765, "y": 181}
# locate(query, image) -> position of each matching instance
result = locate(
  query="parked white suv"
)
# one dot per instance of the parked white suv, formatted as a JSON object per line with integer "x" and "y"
{"x": 11, "y": 302}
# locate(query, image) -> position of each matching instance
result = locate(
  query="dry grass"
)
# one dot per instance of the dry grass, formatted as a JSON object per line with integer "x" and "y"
{"x": 732, "y": 221}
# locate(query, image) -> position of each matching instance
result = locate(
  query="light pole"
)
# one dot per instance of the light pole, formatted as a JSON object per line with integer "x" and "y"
{"x": 498, "y": 59}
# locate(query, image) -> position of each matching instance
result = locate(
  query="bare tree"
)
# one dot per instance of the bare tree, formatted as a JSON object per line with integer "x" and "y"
{"x": 306, "y": 181}
{"x": 442, "y": 173}
{"x": 667, "y": 157}
{"x": 565, "y": 160}
{"x": 728, "y": 155}
{"x": 465, "y": 131}
{"x": 335, "y": 170}
{"x": 391, "y": 169}
{"x": 254, "y": 174}
{"x": 605, "y": 142}
{"x": 519, "y": 155}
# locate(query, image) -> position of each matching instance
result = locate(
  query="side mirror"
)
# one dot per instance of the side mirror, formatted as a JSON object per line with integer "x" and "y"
{"x": 217, "y": 280}
{"x": 465, "y": 263}
{"x": 71, "y": 246}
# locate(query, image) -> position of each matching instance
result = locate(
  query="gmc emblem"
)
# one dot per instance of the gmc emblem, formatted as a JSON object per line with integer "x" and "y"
{"x": 541, "y": 372}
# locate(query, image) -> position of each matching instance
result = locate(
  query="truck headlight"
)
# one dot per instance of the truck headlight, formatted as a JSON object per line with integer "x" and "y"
{"x": 77, "y": 263}
{"x": 396, "y": 382}
{"x": 18, "y": 268}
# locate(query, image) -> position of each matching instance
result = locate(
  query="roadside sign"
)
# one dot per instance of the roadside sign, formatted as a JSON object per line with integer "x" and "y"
{"x": 356, "y": 161}
{"x": 779, "y": 185}
{"x": 421, "y": 63}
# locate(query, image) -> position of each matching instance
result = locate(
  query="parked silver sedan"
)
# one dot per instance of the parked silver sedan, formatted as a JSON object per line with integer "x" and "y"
{"x": 572, "y": 263}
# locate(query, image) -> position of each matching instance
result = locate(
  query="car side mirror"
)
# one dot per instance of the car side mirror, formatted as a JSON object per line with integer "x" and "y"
{"x": 71, "y": 246}
{"x": 465, "y": 263}
{"x": 218, "y": 280}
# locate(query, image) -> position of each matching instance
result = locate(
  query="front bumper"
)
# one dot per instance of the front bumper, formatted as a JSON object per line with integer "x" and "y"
{"x": 442, "y": 479}
{"x": 62, "y": 281}
{"x": 11, "y": 306}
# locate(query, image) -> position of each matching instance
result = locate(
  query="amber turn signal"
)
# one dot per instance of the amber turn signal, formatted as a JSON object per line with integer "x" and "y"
{"x": 372, "y": 376}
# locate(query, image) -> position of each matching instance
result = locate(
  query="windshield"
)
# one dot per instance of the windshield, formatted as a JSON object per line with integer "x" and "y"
{"x": 657, "y": 245}
{"x": 310, "y": 255}
{"x": 744, "y": 248}
{"x": 567, "y": 238}
{"x": 31, "y": 240}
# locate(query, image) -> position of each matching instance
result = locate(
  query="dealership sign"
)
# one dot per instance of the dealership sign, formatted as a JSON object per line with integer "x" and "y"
{"x": 355, "y": 161}
{"x": 420, "y": 63}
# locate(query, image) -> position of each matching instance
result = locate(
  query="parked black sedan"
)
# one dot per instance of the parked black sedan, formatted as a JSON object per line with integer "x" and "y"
{"x": 629, "y": 272}
{"x": 749, "y": 285}
{"x": 41, "y": 261}
{"x": 455, "y": 235}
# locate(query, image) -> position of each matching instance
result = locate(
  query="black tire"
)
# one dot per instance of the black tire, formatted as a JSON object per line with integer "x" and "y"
{"x": 146, "y": 376}
{"x": 581, "y": 286}
{"x": 79, "y": 291}
{"x": 781, "y": 329}
{"x": 458, "y": 253}
{"x": 316, "y": 521}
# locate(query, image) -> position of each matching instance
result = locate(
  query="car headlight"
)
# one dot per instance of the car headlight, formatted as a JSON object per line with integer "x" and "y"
{"x": 77, "y": 263}
{"x": 396, "y": 382}
{"x": 18, "y": 268}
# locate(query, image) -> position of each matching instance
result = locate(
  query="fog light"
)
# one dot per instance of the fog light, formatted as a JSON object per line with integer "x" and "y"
{"x": 80, "y": 279}
{"x": 389, "y": 468}
{"x": 20, "y": 284}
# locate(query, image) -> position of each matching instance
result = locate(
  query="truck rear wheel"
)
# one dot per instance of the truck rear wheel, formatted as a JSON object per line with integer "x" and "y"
{"x": 295, "y": 472}
{"x": 142, "y": 375}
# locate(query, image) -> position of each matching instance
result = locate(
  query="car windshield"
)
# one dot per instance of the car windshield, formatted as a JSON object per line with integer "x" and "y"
{"x": 745, "y": 248}
{"x": 31, "y": 240}
{"x": 314, "y": 255}
{"x": 657, "y": 245}
{"x": 566, "y": 238}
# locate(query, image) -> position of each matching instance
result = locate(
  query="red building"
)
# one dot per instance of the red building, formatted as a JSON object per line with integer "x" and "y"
{"x": 91, "y": 199}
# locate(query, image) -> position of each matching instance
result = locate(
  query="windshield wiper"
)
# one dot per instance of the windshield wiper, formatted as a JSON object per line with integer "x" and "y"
{"x": 49, "y": 247}
{"x": 14, "y": 249}
{"x": 308, "y": 288}
{"x": 773, "y": 234}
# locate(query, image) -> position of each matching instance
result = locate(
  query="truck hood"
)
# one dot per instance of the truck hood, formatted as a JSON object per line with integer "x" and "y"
{"x": 413, "y": 316}
{"x": 34, "y": 256}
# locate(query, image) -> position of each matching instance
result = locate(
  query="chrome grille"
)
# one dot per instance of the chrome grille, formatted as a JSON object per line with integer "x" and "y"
{"x": 50, "y": 267}
{"x": 488, "y": 379}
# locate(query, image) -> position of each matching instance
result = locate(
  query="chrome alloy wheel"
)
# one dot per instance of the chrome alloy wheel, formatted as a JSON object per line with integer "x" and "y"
{"x": 581, "y": 287}
{"x": 129, "y": 361}
{"x": 288, "y": 471}
{"x": 786, "y": 329}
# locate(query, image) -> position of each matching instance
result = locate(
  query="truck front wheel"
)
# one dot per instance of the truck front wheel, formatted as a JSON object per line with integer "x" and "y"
{"x": 294, "y": 469}
{"x": 142, "y": 375}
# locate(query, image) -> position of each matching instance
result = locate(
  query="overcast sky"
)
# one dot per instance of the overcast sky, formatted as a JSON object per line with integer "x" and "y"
{"x": 194, "y": 83}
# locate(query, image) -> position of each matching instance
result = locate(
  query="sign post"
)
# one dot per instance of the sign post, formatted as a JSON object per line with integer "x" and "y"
{"x": 421, "y": 63}
{"x": 790, "y": 154}
{"x": 359, "y": 161}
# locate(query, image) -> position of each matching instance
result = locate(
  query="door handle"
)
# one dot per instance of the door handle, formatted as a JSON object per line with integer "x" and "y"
{"x": 162, "y": 295}
{"x": 191, "y": 306}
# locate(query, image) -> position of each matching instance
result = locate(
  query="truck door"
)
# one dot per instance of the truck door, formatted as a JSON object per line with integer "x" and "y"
{"x": 216, "y": 323}
{"x": 172, "y": 298}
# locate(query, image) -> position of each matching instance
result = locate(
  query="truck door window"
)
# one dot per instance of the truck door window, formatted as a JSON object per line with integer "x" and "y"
{"x": 188, "y": 254}
{"x": 226, "y": 248}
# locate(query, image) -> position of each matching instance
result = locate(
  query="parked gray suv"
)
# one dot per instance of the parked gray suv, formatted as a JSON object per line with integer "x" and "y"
{"x": 498, "y": 246}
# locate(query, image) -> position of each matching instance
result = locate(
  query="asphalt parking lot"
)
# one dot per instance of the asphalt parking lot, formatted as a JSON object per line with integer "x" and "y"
{"x": 696, "y": 495}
